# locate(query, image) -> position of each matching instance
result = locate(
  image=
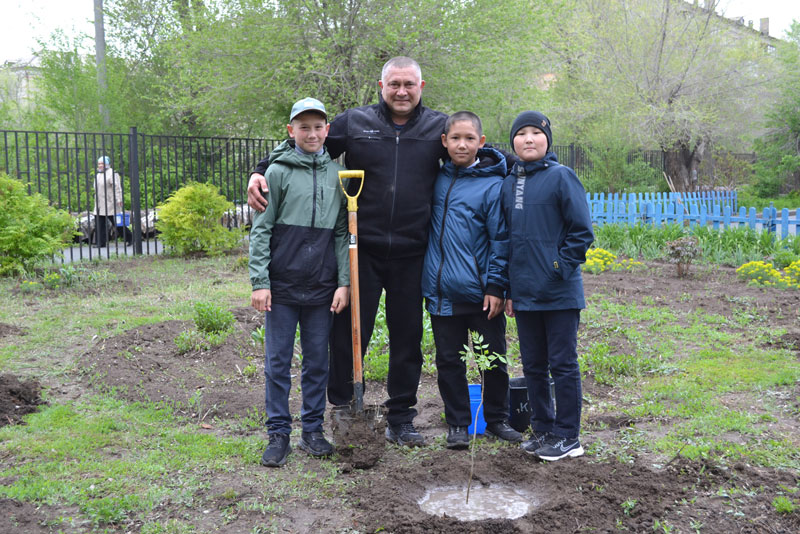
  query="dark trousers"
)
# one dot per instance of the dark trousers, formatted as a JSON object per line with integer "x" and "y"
{"x": 401, "y": 279}
{"x": 549, "y": 340}
{"x": 451, "y": 334}
{"x": 101, "y": 225}
{"x": 279, "y": 332}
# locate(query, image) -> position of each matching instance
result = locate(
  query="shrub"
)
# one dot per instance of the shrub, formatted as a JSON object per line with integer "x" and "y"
{"x": 190, "y": 221}
{"x": 30, "y": 229}
{"x": 212, "y": 319}
{"x": 598, "y": 260}
{"x": 682, "y": 252}
{"x": 758, "y": 272}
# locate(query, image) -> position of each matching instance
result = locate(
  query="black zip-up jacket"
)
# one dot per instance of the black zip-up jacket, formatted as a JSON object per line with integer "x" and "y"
{"x": 400, "y": 168}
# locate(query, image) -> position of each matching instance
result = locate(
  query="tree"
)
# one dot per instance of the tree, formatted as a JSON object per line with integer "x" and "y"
{"x": 665, "y": 73}
{"x": 779, "y": 151}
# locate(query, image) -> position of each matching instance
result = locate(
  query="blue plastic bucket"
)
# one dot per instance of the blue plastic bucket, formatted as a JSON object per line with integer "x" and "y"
{"x": 474, "y": 402}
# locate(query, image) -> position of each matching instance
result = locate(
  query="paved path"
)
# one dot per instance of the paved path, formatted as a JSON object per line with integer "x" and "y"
{"x": 115, "y": 249}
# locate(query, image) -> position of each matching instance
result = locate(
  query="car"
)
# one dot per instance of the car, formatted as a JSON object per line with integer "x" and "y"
{"x": 85, "y": 226}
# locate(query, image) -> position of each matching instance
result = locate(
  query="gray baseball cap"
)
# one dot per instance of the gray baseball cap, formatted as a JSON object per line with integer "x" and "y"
{"x": 307, "y": 104}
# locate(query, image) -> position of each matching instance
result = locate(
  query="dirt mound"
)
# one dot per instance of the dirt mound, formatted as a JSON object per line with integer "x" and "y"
{"x": 144, "y": 363}
{"x": 17, "y": 398}
{"x": 11, "y": 330}
{"x": 575, "y": 495}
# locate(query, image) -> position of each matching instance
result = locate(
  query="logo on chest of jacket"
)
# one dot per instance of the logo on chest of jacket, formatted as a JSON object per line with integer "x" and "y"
{"x": 370, "y": 131}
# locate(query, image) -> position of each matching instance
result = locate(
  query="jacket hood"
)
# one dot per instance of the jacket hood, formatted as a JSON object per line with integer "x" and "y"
{"x": 491, "y": 162}
{"x": 286, "y": 154}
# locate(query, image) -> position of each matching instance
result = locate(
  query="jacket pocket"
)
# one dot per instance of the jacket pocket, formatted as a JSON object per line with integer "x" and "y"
{"x": 478, "y": 274}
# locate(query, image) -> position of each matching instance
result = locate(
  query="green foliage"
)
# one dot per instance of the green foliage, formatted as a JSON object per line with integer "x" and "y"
{"x": 30, "y": 230}
{"x": 212, "y": 319}
{"x": 783, "y": 504}
{"x": 616, "y": 166}
{"x": 191, "y": 341}
{"x": 190, "y": 221}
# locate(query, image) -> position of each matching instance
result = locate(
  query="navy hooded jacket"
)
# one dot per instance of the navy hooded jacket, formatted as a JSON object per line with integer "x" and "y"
{"x": 467, "y": 251}
{"x": 551, "y": 229}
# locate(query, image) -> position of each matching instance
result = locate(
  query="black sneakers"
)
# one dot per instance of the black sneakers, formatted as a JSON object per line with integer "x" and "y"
{"x": 404, "y": 434}
{"x": 315, "y": 444}
{"x": 457, "y": 437}
{"x": 556, "y": 448}
{"x": 277, "y": 451}
{"x": 533, "y": 443}
{"x": 502, "y": 430}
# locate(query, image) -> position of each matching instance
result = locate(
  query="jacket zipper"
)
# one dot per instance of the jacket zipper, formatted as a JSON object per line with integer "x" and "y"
{"x": 394, "y": 189}
{"x": 441, "y": 247}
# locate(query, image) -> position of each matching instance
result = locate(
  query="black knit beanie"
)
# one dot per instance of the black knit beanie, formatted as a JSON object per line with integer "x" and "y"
{"x": 532, "y": 118}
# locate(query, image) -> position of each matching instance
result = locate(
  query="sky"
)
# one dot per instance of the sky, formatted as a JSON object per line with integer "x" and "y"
{"x": 25, "y": 21}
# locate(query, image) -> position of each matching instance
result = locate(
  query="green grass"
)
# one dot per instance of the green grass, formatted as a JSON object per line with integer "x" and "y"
{"x": 112, "y": 459}
{"x": 695, "y": 384}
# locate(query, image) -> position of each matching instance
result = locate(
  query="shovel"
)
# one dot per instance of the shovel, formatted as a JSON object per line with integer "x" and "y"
{"x": 358, "y": 432}
{"x": 355, "y": 306}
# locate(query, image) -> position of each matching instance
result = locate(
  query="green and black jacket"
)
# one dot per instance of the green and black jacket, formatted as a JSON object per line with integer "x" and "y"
{"x": 299, "y": 244}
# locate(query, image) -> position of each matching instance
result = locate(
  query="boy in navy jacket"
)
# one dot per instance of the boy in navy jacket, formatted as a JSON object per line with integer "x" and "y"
{"x": 551, "y": 230}
{"x": 464, "y": 275}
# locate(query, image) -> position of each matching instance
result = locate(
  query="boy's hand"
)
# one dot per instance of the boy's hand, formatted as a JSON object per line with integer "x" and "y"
{"x": 261, "y": 300}
{"x": 509, "y": 308}
{"x": 256, "y": 189}
{"x": 341, "y": 298}
{"x": 493, "y": 304}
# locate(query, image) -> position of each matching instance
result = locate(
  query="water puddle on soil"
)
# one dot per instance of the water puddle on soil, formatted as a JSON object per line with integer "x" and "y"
{"x": 485, "y": 502}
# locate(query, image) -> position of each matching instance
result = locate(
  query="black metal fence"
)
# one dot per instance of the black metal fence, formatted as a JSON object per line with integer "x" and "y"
{"x": 61, "y": 166}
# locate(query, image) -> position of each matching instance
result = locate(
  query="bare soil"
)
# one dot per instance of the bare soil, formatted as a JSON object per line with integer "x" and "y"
{"x": 577, "y": 495}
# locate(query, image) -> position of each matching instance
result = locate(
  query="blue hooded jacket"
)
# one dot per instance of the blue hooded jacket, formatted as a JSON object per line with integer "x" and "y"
{"x": 466, "y": 256}
{"x": 551, "y": 229}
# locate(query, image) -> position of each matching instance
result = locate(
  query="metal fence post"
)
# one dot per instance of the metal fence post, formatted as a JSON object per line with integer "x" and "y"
{"x": 136, "y": 211}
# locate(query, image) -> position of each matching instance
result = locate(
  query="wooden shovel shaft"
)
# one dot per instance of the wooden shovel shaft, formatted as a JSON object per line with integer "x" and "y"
{"x": 355, "y": 308}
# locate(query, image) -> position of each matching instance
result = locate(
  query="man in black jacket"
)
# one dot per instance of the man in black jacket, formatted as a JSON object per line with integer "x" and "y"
{"x": 397, "y": 142}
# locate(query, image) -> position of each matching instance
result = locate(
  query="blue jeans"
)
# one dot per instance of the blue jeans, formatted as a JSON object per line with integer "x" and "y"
{"x": 279, "y": 332}
{"x": 548, "y": 343}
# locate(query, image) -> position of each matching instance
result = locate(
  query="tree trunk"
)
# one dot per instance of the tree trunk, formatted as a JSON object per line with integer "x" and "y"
{"x": 682, "y": 163}
{"x": 100, "y": 58}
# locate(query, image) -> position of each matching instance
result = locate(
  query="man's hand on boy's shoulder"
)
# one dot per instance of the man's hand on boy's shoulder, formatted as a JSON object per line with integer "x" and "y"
{"x": 261, "y": 300}
{"x": 341, "y": 298}
{"x": 257, "y": 190}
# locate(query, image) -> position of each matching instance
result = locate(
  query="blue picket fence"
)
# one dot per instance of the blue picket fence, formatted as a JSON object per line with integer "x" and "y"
{"x": 718, "y": 209}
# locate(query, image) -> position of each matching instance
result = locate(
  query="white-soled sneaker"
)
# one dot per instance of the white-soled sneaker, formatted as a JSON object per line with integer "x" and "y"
{"x": 556, "y": 448}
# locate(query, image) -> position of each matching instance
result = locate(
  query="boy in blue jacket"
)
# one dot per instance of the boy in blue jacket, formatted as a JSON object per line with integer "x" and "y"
{"x": 464, "y": 275}
{"x": 551, "y": 230}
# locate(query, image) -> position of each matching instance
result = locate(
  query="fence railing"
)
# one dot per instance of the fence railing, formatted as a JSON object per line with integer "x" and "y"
{"x": 691, "y": 212}
{"x": 61, "y": 167}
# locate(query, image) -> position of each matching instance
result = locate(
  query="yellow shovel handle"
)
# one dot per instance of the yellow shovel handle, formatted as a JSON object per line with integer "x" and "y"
{"x": 352, "y": 201}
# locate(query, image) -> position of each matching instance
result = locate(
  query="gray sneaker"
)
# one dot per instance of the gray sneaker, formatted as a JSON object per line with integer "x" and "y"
{"x": 404, "y": 434}
{"x": 457, "y": 437}
{"x": 502, "y": 430}
{"x": 533, "y": 443}
{"x": 277, "y": 451}
{"x": 315, "y": 444}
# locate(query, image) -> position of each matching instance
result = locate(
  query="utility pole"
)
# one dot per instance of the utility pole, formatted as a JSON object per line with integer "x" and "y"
{"x": 100, "y": 58}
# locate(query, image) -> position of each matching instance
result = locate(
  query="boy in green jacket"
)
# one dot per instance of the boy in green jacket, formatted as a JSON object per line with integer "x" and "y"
{"x": 299, "y": 272}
